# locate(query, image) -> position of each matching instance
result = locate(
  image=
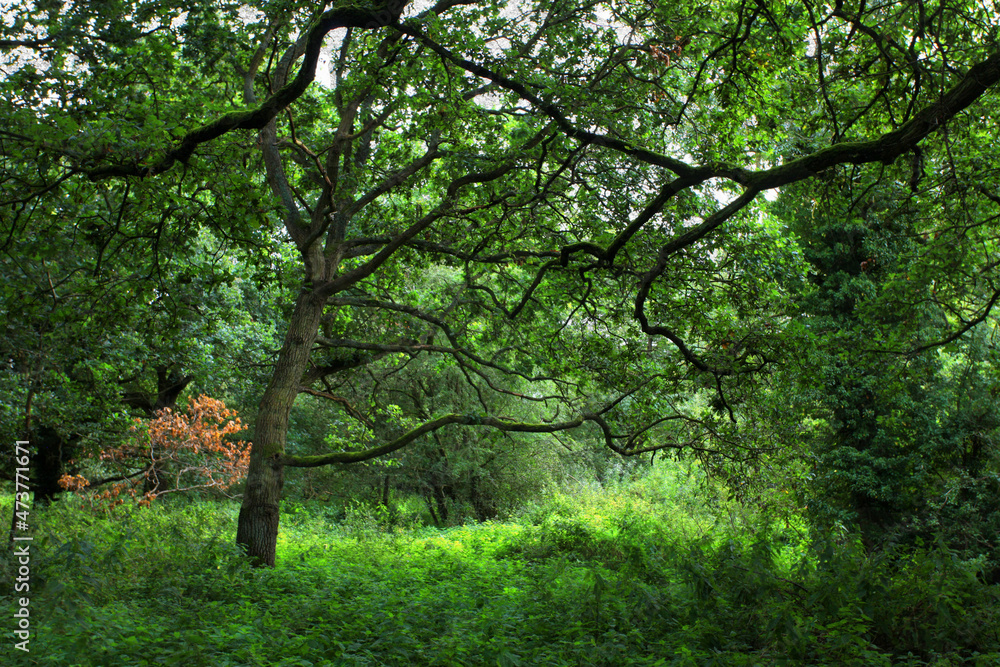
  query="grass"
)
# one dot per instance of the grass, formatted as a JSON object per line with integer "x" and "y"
{"x": 641, "y": 574}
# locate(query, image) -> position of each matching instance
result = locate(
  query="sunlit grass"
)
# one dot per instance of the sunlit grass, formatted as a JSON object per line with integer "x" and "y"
{"x": 636, "y": 573}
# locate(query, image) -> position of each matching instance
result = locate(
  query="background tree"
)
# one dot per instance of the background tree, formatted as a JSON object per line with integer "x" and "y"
{"x": 89, "y": 344}
{"x": 894, "y": 427}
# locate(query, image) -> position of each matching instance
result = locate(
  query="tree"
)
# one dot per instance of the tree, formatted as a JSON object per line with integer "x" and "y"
{"x": 879, "y": 440}
{"x": 592, "y": 172}
{"x": 896, "y": 426}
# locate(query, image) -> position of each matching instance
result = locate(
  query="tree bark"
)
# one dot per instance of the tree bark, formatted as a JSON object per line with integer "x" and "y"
{"x": 441, "y": 501}
{"x": 257, "y": 531}
{"x": 49, "y": 463}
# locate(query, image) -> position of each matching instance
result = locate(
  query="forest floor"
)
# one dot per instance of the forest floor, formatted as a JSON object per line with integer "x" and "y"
{"x": 639, "y": 574}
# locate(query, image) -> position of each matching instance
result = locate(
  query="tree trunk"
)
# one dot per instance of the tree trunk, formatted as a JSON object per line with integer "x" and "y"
{"x": 442, "y": 502}
{"x": 49, "y": 463}
{"x": 385, "y": 491}
{"x": 430, "y": 508}
{"x": 257, "y": 531}
{"x": 484, "y": 505}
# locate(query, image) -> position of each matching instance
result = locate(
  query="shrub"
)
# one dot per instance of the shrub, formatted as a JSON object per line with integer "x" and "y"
{"x": 174, "y": 453}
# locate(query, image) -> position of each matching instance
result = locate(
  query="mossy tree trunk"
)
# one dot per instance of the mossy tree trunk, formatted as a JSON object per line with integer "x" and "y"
{"x": 257, "y": 531}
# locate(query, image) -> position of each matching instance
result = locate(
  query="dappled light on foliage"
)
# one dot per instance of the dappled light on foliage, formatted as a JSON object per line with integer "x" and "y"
{"x": 596, "y": 333}
{"x": 650, "y": 572}
{"x": 177, "y": 451}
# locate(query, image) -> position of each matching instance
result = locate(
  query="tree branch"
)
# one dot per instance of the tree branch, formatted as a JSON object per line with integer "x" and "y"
{"x": 349, "y": 16}
{"x": 888, "y": 147}
{"x": 423, "y": 429}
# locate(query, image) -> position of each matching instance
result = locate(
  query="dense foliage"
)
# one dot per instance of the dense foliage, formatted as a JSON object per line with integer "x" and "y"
{"x": 636, "y": 574}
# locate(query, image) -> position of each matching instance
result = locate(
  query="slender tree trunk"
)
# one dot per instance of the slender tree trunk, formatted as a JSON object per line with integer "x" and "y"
{"x": 485, "y": 506}
{"x": 442, "y": 502}
{"x": 257, "y": 531}
{"x": 385, "y": 491}
{"x": 430, "y": 508}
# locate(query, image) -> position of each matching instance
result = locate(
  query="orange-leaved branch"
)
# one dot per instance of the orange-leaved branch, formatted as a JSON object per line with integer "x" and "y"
{"x": 174, "y": 453}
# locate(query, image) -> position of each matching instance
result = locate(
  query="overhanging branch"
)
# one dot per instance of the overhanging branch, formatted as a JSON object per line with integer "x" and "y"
{"x": 980, "y": 77}
{"x": 346, "y": 16}
{"x": 551, "y": 110}
{"x": 683, "y": 241}
{"x": 424, "y": 429}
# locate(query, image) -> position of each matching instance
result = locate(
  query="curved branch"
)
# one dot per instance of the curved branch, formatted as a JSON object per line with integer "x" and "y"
{"x": 961, "y": 331}
{"x": 551, "y": 110}
{"x": 348, "y": 406}
{"x": 349, "y": 16}
{"x": 456, "y": 352}
{"x": 682, "y": 241}
{"x": 423, "y": 429}
{"x": 361, "y": 272}
{"x": 888, "y": 147}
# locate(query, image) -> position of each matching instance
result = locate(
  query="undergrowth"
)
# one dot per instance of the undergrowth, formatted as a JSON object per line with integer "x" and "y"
{"x": 639, "y": 574}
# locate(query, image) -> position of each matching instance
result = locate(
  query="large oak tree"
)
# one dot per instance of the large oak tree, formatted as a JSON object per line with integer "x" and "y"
{"x": 595, "y": 173}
